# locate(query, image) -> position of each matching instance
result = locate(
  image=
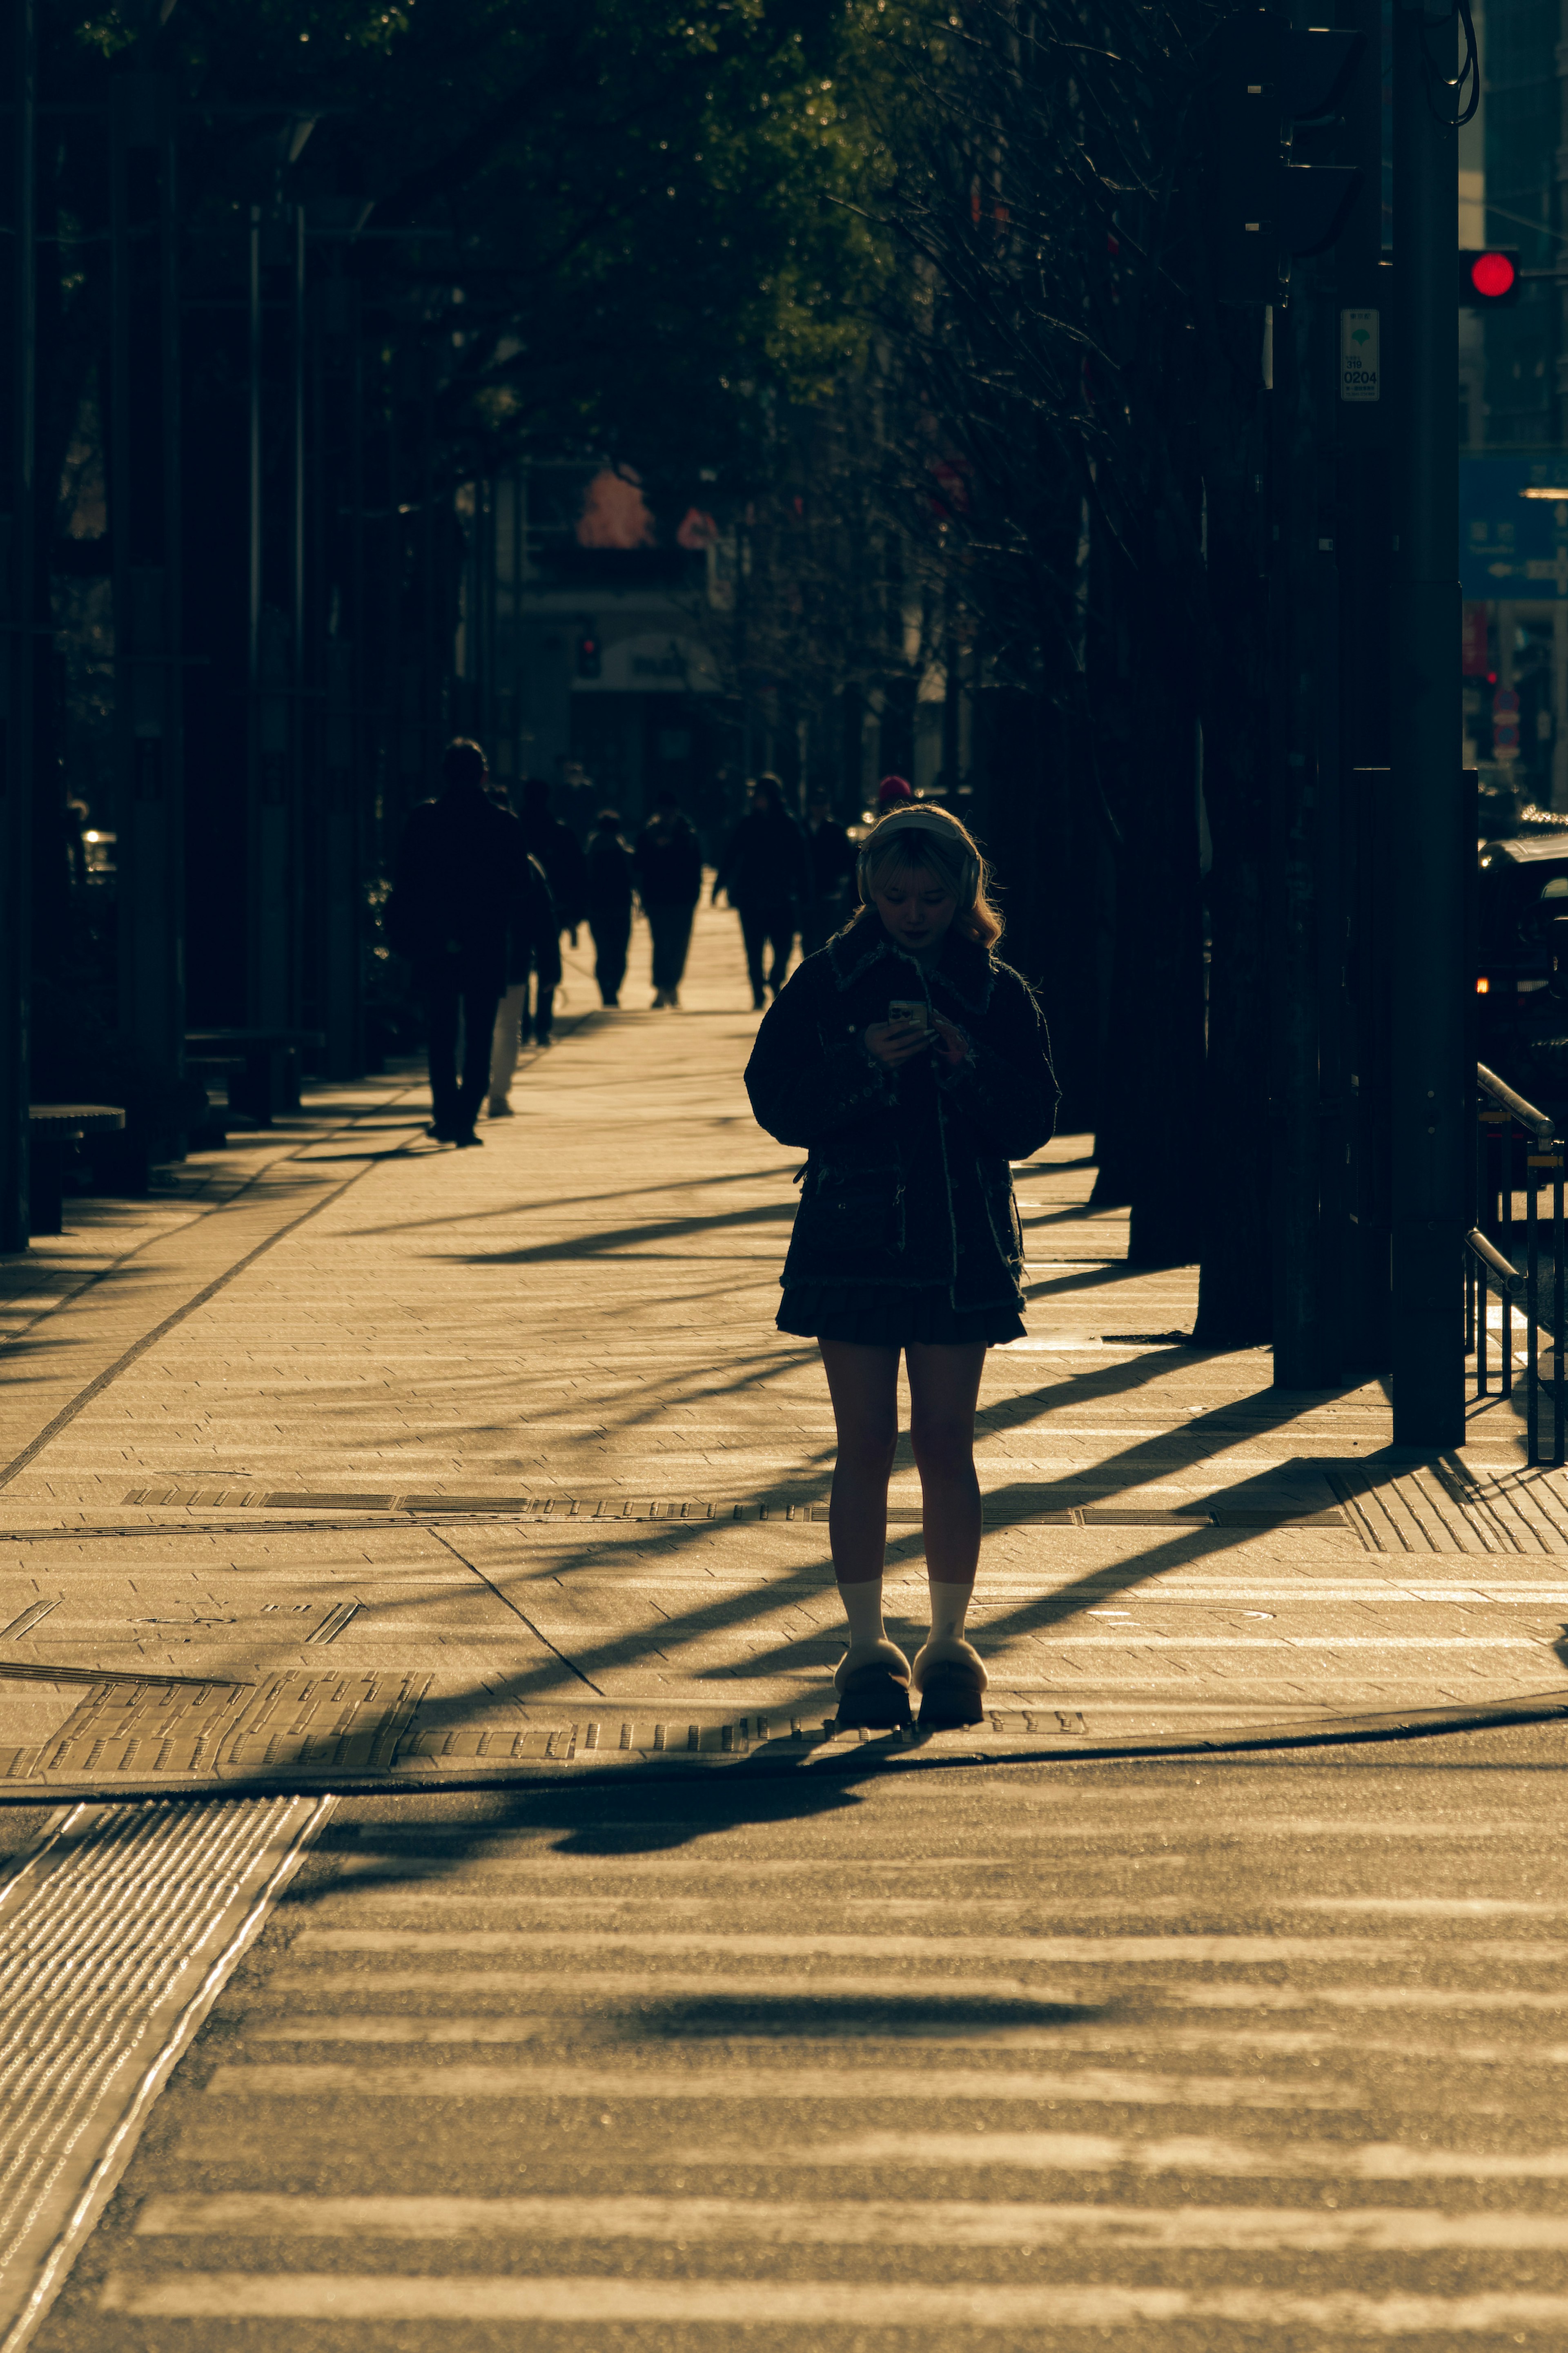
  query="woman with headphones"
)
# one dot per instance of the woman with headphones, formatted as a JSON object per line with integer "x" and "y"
{"x": 913, "y": 1067}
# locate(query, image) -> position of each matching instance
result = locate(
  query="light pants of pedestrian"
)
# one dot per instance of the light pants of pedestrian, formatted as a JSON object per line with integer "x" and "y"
{"x": 506, "y": 1041}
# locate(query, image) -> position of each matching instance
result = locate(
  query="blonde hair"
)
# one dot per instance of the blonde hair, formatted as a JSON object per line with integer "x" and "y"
{"x": 907, "y": 839}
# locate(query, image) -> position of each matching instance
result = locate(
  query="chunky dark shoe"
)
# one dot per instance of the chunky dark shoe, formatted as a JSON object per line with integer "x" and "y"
{"x": 872, "y": 1699}
{"x": 952, "y": 1694}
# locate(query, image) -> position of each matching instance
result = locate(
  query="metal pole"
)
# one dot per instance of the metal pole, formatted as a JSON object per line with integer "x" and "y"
{"x": 1505, "y": 1243}
{"x": 1557, "y": 1272}
{"x": 1430, "y": 1087}
{"x": 18, "y": 253}
{"x": 145, "y": 455}
{"x": 254, "y": 638}
{"x": 1533, "y": 1307}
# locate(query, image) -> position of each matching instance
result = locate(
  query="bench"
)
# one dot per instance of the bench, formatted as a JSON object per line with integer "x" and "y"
{"x": 53, "y": 1130}
{"x": 269, "y": 1061}
{"x": 213, "y": 1069}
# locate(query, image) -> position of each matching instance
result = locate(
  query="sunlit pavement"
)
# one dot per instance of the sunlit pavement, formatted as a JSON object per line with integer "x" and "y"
{"x": 419, "y": 1464}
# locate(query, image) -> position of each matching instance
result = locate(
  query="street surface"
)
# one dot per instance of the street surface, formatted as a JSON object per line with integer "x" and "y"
{"x": 707, "y": 2029}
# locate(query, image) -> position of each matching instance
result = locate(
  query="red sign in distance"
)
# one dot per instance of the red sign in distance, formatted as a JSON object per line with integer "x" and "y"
{"x": 1492, "y": 274}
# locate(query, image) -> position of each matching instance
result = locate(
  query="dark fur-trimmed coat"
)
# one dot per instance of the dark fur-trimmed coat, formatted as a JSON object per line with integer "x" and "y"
{"x": 908, "y": 1180}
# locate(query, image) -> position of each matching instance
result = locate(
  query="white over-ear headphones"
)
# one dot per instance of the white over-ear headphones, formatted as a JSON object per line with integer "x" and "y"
{"x": 920, "y": 818}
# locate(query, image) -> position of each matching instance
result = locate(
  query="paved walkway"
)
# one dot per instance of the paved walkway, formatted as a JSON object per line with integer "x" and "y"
{"x": 348, "y": 1456}
{"x": 512, "y": 1435}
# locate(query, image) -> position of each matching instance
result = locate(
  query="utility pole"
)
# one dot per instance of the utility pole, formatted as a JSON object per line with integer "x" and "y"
{"x": 144, "y": 494}
{"x": 17, "y": 638}
{"x": 1363, "y": 530}
{"x": 1431, "y": 1088}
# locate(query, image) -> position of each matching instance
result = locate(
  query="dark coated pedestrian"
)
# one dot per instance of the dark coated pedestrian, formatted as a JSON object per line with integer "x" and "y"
{"x": 766, "y": 873}
{"x": 914, "y": 1068}
{"x": 668, "y": 861}
{"x": 609, "y": 897}
{"x": 464, "y": 884}
{"x": 560, "y": 853}
{"x": 832, "y": 855}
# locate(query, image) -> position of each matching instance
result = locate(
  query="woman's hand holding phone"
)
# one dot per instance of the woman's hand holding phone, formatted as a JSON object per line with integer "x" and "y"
{"x": 901, "y": 1037}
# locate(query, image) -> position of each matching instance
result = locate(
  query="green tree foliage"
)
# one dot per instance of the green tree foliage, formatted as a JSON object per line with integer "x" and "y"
{"x": 1036, "y": 169}
{"x": 620, "y": 221}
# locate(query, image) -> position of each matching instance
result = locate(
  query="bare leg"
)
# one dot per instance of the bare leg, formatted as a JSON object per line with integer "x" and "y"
{"x": 944, "y": 1385}
{"x": 864, "y": 1386}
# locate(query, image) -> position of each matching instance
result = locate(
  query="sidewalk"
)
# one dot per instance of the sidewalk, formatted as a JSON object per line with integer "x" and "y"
{"x": 381, "y": 1471}
{"x": 512, "y": 1435}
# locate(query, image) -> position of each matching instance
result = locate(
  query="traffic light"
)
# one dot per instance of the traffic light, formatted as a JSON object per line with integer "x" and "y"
{"x": 1488, "y": 278}
{"x": 588, "y": 654}
{"x": 1266, "y": 81}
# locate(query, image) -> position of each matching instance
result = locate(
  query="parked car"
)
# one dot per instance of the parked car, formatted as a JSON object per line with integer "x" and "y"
{"x": 1522, "y": 968}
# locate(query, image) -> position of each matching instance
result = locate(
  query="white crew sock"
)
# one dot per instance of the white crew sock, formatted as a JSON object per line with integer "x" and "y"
{"x": 863, "y": 1608}
{"x": 949, "y": 1605}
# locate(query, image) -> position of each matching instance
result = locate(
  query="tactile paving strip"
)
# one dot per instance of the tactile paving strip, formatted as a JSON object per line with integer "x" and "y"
{"x": 1012, "y": 1510}
{"x": 114, "y": 1938}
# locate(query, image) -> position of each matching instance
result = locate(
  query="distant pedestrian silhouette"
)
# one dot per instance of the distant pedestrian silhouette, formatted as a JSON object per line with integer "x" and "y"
{"x": 560, "y": 853}
{"x": 464, "y": 884}
{"x": 609, "y": 897}
{"x": 766, "y": 872}
{"x": 669, "y": 883}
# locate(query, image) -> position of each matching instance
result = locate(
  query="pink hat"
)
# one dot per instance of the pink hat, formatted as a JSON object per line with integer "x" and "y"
{"x": 891, "y": 791}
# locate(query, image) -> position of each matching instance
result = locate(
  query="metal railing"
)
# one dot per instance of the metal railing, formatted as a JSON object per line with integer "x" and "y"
{"x": 1491, "y": 1263}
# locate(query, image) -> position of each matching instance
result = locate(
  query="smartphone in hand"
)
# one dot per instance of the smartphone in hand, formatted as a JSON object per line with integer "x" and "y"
{"x": 906, "y": 1012}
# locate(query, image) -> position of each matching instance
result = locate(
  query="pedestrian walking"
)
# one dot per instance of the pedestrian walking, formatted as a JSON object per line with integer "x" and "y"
{"x": 560, "y": 853}
{"x": 913, "y": 1067}
{"x": 668, "y": 861}
{"x": 609, "y": 898}
{"x": 832, "y": 855}
{"x": 533, "y": 953}
{"x": 766, "y": 875}
{"x": 462, "y": 882}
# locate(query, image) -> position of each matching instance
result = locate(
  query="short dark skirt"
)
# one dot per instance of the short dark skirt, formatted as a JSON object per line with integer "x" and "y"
{"x": 888, "y": 1315}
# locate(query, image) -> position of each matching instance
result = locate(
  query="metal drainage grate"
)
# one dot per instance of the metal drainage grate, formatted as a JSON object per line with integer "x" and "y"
{"x": 1008, "y": 1510}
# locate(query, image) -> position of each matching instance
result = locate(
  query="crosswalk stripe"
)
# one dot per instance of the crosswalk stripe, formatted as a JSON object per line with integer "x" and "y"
{"x": 1178, "y": 1950}
{"x": 1027, "y": 1999}
{"x": 932, "y": 2034}
{"x": 1103, "y": 2153}
{"x": 360, "y": 2297}
{"x": 1089, "y": 2088}
{"x": 904, "y": 2223}
{"x": 486, "y": 1876}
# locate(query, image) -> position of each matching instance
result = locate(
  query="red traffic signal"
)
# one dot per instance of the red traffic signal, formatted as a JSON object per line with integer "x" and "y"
{"x": 1488, "y": 278}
